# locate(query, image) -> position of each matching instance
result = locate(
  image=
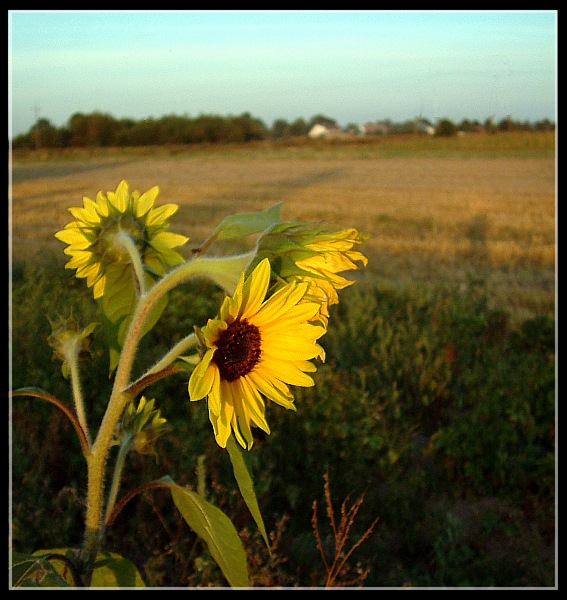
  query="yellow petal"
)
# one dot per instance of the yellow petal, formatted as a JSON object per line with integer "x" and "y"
{"x": 70, "y": 235}
{"x": 202, "y": 378}
{"x": 157, "y": 216}
{"x": 91, "y": 210}
{"x": 121, "y": 198}
{"x": 214, "y": 398}
{"x": 241, "y": 422}
{"x": 146, "y": 201}
{"x": 222, "y": 424}
{"x": 288, "y": 348}
{"x": 212, "y": 331}
{"x": 102, "y": 204}
{"x": 253, "y": 402}
{"x": 298, "y": 314}
{"x": 279, "y": 303}
{"x": 271, "y": 387}
{"x": 98, "y": 289}
{"x": 166, "y": 240}
{"x": 255, "y": 288}
{"x": 79, "y": 260}
{"x": 288, "y": 372}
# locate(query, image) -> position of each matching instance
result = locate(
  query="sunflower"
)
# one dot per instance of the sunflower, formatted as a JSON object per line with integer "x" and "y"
{"x": 256, "y": 347}
{"x": 334, "y": 253}
{"x": 94, "y": 248}
{"x": 300, "y": 253}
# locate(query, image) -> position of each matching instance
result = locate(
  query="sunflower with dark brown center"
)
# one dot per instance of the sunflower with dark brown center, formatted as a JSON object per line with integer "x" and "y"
{"x": 256, "y": 348}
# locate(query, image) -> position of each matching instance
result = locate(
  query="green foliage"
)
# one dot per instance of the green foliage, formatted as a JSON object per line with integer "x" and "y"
{"x": 54, "y": 568}
{"x": 245, "y": 484}
{"x": 103, "y": 130}
{"x": 217, "y": 530}
{"x": 429, "y": 402}
{"x": 445, "y": 128}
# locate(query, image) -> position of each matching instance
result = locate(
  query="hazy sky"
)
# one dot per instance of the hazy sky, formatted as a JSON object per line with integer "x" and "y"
{"x": 353, "y": 66}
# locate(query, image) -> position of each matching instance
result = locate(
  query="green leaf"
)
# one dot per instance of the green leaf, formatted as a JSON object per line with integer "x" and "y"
{"x": 34, "y": 571}
{"x": 115, "y": 571}
{"x": 216, "y": 530}
{"x": 245, "y": 484}
{"x": 33, "y": 390}
{"x": 247, "y": 223}
{"x": 110, "y": 570}
{"x": 118, "y": 305}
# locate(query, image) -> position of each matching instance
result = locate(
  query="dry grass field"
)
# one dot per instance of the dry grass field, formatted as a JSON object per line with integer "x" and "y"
{"x": 432, "y": 218}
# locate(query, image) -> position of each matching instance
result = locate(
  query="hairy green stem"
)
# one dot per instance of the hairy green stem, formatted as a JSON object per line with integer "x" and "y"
{"x": 179, "y": 348}
{"x": 117, "y": 476}
{"x": 77, "y": 394}
{"x": 94, "y": 529}
{"x": 128, "y": 244}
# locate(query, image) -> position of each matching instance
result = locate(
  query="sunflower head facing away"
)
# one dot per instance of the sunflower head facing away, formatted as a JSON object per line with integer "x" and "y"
{"x": 315, "y": 256}
{"x": 93, "y": 238}
{"x": 256, "y": 348}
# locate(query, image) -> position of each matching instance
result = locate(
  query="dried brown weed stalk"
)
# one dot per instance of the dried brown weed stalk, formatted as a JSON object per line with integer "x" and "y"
{"x": 341, "y": 531}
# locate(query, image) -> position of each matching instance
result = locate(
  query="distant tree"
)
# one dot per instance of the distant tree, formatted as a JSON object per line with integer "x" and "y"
{"x": 544, "y": 125}
{"x": 507, "y": 124}
{"x": 445, "y": 128}
{"x": 78, "y": 126}
{"x": 171, "y": 129}
{"x": 489, "y": 126}
{"x": 247, "y": 128}
{"x": 404, "y": 127}
{"x": 321, "y": 119}
{"x": 299, "y": 127}
{"x": 353, "y": 129}
{"x": 43, "y": 134}
{"x": 280, "y": 129}
{"x": 101, "y": 129}
{"x": 95, "y": 129}
{"x": 23, "y": 140}
{"x": 468, "y": 126}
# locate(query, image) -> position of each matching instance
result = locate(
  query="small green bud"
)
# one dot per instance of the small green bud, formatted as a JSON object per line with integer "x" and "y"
{"x": 141, "y": 426}
{"x": 69, "y": 341}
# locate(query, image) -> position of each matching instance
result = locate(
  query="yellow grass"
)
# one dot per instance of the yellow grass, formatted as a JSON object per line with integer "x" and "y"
{"x": 430, "y": 219}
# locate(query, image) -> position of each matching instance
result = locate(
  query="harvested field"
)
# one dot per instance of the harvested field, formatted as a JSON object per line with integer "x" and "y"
{"x": 430, "y": 219}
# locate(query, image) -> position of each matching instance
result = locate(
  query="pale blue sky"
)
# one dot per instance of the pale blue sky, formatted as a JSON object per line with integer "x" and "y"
{"x": 353, "y": 66}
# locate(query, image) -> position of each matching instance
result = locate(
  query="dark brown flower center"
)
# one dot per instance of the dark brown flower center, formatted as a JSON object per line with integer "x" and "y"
{"x": 238, "y": 350}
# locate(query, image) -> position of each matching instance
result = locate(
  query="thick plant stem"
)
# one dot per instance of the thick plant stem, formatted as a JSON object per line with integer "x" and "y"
{"x": 181, "y": 346}
{"x": 128, "y": 244}
{"x": 94, "y": 530}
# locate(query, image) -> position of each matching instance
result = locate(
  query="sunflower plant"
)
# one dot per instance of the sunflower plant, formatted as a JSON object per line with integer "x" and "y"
{"x": 263, "y": 341}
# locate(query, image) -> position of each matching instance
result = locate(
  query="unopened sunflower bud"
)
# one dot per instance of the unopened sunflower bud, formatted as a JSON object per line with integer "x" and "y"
{"x": 141, "y": 426}
{"x": 69, "y": 341}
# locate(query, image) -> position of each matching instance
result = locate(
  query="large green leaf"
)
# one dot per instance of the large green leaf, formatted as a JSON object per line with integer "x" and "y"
{"x": 245, "y": 484}
{"x": 34, "y": 571}
{"x": 110, "y": 570}
{"x": 118, "y": 305}
{"x": 247, "y": 223}
{"x": 216, "y": 530}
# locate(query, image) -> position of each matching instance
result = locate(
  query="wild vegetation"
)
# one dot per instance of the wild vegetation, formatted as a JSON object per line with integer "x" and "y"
{"x": 429, "y": 436}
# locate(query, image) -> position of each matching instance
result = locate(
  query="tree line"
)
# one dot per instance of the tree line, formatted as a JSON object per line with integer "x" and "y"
{"x": 102, "y": 129}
